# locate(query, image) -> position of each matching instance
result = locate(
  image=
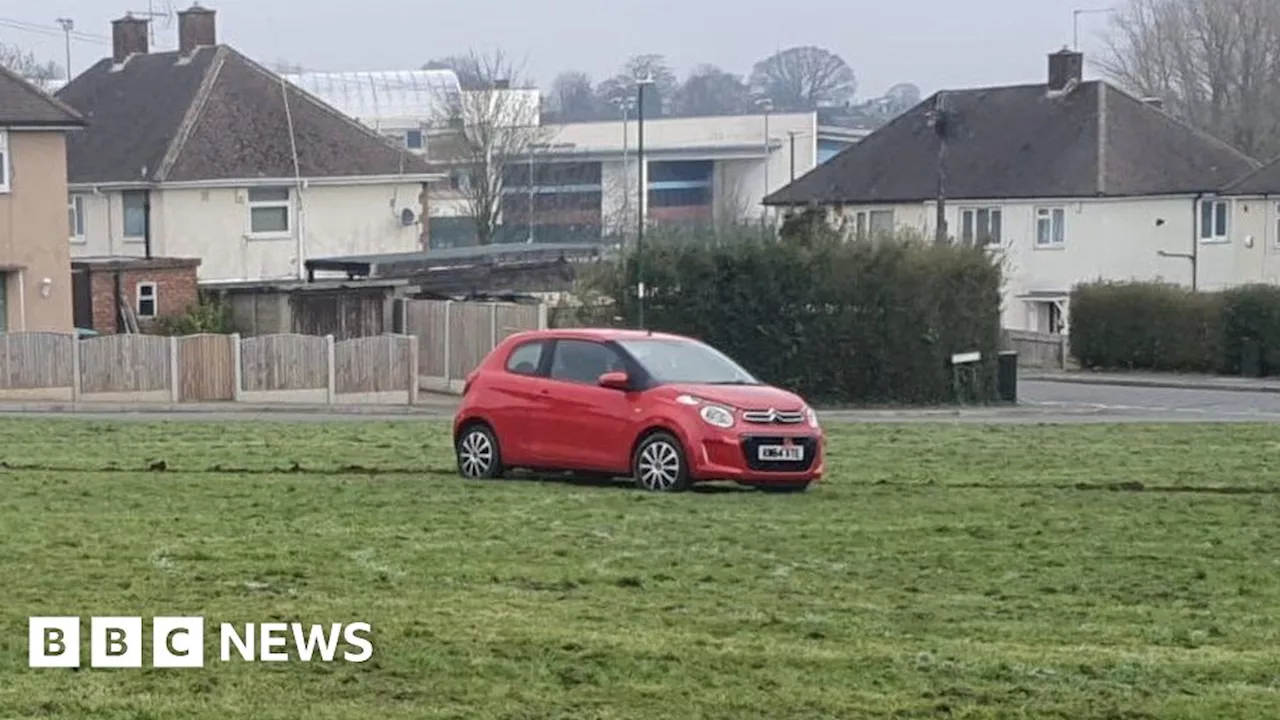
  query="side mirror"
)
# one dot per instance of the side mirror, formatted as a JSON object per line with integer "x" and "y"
{"x": 615, "y": 381}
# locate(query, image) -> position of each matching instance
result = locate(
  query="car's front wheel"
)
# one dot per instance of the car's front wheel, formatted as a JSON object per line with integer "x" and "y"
{"x": 659, "y": 465}
{"x": 478, "y": 453}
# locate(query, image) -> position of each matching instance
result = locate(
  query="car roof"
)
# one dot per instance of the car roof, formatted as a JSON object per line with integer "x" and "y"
{"x": 598, "y": 334}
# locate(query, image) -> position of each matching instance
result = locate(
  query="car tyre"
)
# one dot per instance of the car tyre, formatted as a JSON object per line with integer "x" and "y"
{"x": 479, "y": 456}
{"x": 659, "y": 465}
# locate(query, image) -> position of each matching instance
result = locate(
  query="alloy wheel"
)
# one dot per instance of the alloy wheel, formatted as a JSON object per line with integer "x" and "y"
{"x": 475, "y": 454}
{"x": 659, "y": 466}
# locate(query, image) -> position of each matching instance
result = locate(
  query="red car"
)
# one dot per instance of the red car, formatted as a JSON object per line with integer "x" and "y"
{"x": 665, "y": 410}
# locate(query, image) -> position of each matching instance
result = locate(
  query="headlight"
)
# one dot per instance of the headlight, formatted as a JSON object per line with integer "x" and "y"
{"x": 716, "y": 415}
{"x": 811, "y": 416}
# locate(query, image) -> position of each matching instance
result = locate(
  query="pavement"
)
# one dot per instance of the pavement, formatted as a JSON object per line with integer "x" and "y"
{"x": 1055, "y": 398}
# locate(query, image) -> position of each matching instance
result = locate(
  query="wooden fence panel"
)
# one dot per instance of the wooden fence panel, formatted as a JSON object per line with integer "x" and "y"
{"x": 270, "y": 363}
{"x": 513, "y": 318}
{"x": 428, "y": 319}
{"x": 1039, "y": 350}
{"x": 31, "y": 360}
{"x": 371, "y": 364}
{"x": 125, "y": 364}
{"x": 471, "y": 332}
{"x": 206, "y": 368}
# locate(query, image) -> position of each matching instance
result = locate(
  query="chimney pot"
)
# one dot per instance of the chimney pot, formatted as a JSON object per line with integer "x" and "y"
{"x": 128, "y": 38}
{"x": 197, "y": 28}
{"x": 1066, "y": 68}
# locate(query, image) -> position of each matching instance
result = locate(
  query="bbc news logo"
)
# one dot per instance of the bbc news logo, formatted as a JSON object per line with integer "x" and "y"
{"x": 178, "y": 642}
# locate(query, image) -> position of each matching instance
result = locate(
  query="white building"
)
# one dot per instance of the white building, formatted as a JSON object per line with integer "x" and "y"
{"x": 1066, "y": 182}
{"x": 203, "y": 153}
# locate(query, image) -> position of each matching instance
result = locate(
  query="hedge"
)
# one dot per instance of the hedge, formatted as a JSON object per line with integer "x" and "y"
{"x": 1164, "y": 327}
{"x": 837, "y": 322}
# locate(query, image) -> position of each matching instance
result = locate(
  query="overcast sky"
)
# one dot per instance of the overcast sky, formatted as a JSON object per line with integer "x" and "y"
{"x": 933, "y": 43}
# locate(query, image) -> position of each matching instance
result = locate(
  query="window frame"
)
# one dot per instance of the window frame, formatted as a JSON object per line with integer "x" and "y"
{"x": 409, "y": 135}
{"x": 270, "y": 204}
{"x": 154, "y": 299}
{"x": 76, "y": 218}
{"x": 537, "y": 366}
{"x": 593, "y": 382}
{"x": 1057, "y": 235}
{"x": 1213, "y": 205}
{"x": 969, "y": 233}
{"x": 5, "y": 162}
{"x": 862, "y": 222}
{"x": 1276, "y": 221}
{"x": 124, "y": 215}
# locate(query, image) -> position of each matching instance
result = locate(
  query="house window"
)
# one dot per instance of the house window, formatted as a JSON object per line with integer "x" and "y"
{"x": 413, "y": 139}
{"x": 980, "y": 225}
{"x": 146, "y": 299}
{"x": 4, "y": 161}
{"x": 268, "y": 210}
{"x": 135, "y": 213}
{"x": 75, "y": 217}
{"x": 870, "y": 223}
{"x": 1213, "y": 220}
{"x": 1051, "y": 226}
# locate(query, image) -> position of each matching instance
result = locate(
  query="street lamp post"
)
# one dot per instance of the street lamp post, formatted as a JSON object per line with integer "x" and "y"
{"x": 67, "y": 26}
{"x": 641, "y": 84}
{"x": 793, "y": 134}
{"x": 765, "y": 104}
{"x": 624, "y": 105}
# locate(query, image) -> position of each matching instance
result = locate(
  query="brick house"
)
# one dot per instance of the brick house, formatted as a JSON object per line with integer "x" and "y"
{"x": 147, "y": 289}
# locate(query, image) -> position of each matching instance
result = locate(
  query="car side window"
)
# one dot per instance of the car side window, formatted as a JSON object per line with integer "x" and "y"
{"x": 583, "y": 361}
{"x": 526, "y": 358}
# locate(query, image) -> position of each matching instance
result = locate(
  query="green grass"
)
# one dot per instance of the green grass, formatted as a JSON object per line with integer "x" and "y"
{"x": 950, "y": 571}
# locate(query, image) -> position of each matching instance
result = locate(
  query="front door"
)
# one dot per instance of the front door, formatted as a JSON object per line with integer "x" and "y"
{"x": 580, "y": 425}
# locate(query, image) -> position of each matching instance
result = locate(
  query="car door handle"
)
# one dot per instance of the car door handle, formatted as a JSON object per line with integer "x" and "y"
{"x": 544, "y": 391}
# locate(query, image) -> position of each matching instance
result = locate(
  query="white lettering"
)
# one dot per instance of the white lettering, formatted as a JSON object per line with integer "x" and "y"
{"x": 351, "y": 634}
{"x": 271, "y": 637}
{"x": 306, "y": 644}
{"x": 231, "y": 637}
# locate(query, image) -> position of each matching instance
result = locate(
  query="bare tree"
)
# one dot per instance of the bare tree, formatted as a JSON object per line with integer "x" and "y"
{"x": 573, "y": 98}
{"x": 25, "y": 64}
{"x": 488, "y": 130}
{"x": 1215, "y": 63}
{"x": 804, "y": 78}
{"x": 711, "y": 91}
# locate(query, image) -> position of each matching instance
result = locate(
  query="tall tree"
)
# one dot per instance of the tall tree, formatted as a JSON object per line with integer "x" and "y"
{"x": 804, "y": 78}
{"x": 26, "y": 64}
{"x": 491, "y": 129}
{"x": 657, "y": 96}
{"x": 711, "y": 91}
{"x": 572, "y": 98}
{"x": 1216, "y": 63}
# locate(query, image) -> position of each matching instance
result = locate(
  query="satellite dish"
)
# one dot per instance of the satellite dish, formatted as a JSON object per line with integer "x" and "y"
{"x": 407, "y": 217}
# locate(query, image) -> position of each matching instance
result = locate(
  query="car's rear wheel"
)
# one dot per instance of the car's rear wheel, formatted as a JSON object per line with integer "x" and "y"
{"x": 479, "y": 456}
{"x": 658, "y": 464}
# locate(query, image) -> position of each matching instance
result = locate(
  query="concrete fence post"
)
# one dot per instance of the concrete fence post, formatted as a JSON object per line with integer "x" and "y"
{"x": 542, "y": 316}
{"x": 76, "y": 382}
{"x": 330, "y": 396}
{"x": 448, "y": 345}
{"x": 413, "y": 369}
{"x": 493, "y": 325}
{"x": 237, "y": 378}
{"x": 175, "y": 371}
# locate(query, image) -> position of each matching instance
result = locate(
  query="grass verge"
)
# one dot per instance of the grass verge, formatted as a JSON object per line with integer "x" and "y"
{"x": 942, "y": 571}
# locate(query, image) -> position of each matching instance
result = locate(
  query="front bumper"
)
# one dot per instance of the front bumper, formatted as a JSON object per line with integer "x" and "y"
{"x": 732, "y": 455}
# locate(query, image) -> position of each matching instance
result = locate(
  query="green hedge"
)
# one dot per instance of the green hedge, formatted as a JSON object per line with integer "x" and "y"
{"x": 858, "y": 322}
{"x": 1163, "y": 327}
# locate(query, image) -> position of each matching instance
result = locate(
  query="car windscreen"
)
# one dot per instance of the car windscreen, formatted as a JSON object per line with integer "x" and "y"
{"x": 686, "y": 361}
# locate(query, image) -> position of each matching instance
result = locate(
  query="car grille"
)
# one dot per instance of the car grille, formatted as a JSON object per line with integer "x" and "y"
{"x": 751, "y": 445}
{"x": 769, "y": 417}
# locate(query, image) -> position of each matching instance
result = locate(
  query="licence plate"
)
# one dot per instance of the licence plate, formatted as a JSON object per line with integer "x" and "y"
{"x": 785, "y": 453}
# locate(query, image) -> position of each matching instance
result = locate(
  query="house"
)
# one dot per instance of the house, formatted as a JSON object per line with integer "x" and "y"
{"x": 1248, "y": 251}
{"x": 35, "y": 275}
{"x": 203, "y": 153}
{"x": 1066, "y": 181}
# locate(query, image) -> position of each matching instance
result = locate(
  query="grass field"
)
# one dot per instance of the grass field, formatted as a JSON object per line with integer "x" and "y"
{"x": 942, "y": 571}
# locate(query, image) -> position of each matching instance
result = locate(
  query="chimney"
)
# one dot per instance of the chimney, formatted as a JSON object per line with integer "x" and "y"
{"x": 1066, "y": 70}
{"x": 196, "y": 29}
{"x": 1154, "y": 102}
{"x": 128, "y": 38}
{"x": 502, "y": 84}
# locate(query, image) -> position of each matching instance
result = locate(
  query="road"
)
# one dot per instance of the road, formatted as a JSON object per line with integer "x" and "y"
{"x": 1039, "y": 402}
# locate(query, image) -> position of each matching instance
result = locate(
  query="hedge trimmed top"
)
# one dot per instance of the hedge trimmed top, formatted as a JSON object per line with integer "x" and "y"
{"x": 1024, "y": 142}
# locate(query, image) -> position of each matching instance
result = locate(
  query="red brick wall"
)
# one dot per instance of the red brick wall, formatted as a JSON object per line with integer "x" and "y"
{"x": 176, "y": 290}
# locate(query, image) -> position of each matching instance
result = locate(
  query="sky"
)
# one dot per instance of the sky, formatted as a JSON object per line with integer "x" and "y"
{"x": 933, "y": 43}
